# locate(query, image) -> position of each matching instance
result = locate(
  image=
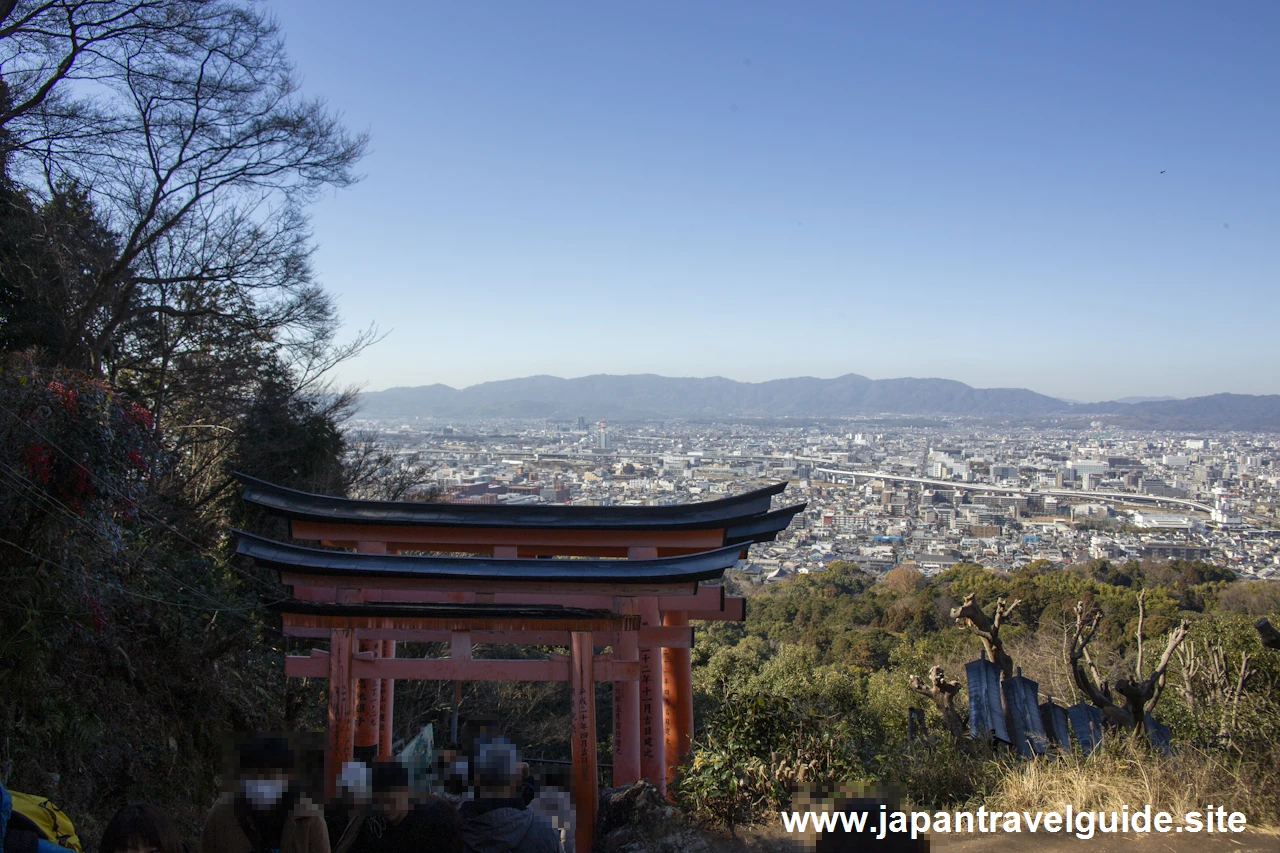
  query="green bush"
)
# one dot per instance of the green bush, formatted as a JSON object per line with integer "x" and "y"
{"x": 754, "y": 754}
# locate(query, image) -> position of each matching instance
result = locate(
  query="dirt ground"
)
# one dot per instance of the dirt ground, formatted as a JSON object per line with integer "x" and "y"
{"x": 1245, "y": 842}
{"x": 775, "y": 840}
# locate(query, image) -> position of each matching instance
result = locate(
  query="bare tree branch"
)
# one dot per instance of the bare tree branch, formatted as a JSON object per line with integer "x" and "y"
{"x": 943, "y": 693}
{"x": 1142, "y": 612}
{"x": 1140, "y": 695}
{"x": 970, "y": 616}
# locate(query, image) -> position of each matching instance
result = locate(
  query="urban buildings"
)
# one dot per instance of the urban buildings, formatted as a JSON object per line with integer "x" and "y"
{"x": 887, "y": 491}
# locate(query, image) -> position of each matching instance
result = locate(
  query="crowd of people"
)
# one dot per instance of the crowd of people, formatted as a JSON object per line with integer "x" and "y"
{"x": 480, "y": 798}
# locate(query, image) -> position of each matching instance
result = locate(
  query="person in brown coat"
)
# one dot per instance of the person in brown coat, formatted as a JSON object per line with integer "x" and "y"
{"x": 265, "y": 814}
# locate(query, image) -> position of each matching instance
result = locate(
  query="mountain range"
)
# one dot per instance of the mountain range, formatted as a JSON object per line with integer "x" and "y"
{"x": 650, "y": 396}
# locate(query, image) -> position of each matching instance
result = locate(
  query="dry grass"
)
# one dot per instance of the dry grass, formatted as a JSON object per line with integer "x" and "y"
{"x": 1127, "y": 773}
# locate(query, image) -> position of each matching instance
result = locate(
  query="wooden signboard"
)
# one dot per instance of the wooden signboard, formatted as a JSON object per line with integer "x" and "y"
{"x": 1054, "y": 718}
{"x": 1020, "y": 695}
{"x": 986, "y": 713}
{"x": 1086, "y": 722}
{"x": 1159, "y": 734}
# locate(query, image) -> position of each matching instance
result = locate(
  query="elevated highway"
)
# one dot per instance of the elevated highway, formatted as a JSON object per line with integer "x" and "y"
{"x": 1113, "y": 497}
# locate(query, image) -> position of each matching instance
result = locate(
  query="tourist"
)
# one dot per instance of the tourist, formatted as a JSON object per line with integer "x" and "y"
{"x": 140, "y": 828}
{"x": 397, "y": 824}
{"x": 265, "y": 814}
{"x": 345, "y": 814}
{"x": 18, "y": 833}
{"x": 554, "y": 804}
{"x": 496, "y": 821}
{"x": 453, "y": 776}
{"x": 528, "y": 787}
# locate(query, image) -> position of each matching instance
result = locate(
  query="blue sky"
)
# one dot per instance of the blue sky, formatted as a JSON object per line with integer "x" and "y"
{"x": 760, "y": 190}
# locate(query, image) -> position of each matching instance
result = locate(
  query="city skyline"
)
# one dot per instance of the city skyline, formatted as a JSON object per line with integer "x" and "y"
{"x": 883, "y": 494}
{"x": 1076, "y": 200}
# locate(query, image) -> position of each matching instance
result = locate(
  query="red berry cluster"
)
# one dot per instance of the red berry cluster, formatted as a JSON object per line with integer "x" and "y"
{"x": 39, "y": 459}
{"x": 139, "y": 415}
{"x": 65, "y": 395}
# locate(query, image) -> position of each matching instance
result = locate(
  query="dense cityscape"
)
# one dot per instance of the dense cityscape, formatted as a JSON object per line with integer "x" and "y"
{"x": 887, "y": 492}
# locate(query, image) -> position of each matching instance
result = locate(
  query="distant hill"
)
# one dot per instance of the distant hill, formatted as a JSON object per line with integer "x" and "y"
{"x": 1142, "y": 399}
{"x": 1246, "y": 412}
{"x": 649, "y": 395}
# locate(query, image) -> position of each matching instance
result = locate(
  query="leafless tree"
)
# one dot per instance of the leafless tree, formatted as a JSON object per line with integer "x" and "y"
{"x": 374, "y": 472}
{"x": 943, "y": 693}
{"x": 1139, "y": 695}
{"x": 1210, "y": 687}
{"x": 48, "y": 46}
{"x": 183, "y": 123}
{"x": 970, "y": 615}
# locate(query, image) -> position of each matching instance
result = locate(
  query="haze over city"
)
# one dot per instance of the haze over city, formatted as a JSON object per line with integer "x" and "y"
{"x": 1077, "y": 199}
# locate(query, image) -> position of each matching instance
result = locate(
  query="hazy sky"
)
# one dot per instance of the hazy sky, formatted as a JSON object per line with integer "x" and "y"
{"x": 1079, "y": 198}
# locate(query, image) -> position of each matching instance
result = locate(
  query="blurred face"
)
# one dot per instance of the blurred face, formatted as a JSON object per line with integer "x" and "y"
{"x": 511, "y": 788}
{"x": 263, "y": 788}
{"x": 355, "y": 798}
{"x": 392, "y": 802}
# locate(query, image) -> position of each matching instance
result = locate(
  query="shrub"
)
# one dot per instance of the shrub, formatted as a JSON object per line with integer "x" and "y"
{"x": 760, "y": 747}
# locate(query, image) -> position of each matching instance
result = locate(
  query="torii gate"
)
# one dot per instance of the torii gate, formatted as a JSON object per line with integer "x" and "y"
{"x": 522, "y": 592}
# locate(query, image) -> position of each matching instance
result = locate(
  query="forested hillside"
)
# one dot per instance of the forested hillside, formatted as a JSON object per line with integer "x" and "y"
{"x": 646, "y": 396}
{"x": 160, "y": 326}
{"x": 815, "y": 685}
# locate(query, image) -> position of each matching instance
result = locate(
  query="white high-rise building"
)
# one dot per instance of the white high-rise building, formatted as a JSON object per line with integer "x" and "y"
{"x": 1223, "y": 512}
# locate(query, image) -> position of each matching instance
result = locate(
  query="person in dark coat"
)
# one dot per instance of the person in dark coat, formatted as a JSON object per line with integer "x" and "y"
{"x": 398, "y": 824}
{"x": 496, "y": 821}
{"x": 345, "y": 813}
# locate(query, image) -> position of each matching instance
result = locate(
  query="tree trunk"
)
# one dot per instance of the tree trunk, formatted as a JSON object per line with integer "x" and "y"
{"x": 943, "y": 694}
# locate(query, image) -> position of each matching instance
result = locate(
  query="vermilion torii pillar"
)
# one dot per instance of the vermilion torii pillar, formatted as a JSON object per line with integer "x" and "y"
{"x": 387, "y": 705}
{"x": 582, "y": 735}
{"x": 677, "y": 698}
{"x": 341, "y": 722}
{"x": 368, "y": 707}
{"x": 626, "y": 707}
{"x": 653, "y": 764}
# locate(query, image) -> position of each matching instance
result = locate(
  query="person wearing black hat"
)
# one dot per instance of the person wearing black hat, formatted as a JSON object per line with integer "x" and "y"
{"x": 265, "y": 814}
{"x": 399, "y": 824}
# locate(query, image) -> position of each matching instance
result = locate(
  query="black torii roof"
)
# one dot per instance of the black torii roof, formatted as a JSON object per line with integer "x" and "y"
{"x": 745, "y": 518}
{"x": 704, "y": 565}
